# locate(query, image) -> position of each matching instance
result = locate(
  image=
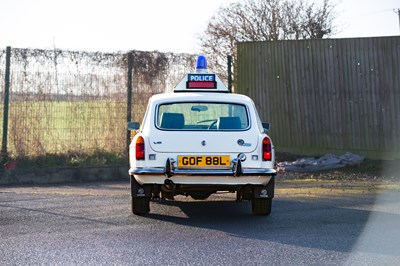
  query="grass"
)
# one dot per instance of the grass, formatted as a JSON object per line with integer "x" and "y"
{"x": 45, "y": 134}
{"x": 39, "y": 128}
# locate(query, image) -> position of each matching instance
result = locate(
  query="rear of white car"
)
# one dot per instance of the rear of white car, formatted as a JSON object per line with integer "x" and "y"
{"x": 199, "y": 141}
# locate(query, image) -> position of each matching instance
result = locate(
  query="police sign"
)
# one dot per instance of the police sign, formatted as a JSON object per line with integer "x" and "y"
{"x": 201, "y": 77}
{"x": 200, "y": 81}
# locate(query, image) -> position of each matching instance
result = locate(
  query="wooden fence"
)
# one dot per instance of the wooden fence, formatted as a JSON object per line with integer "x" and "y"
{"x": 329, "y": 95}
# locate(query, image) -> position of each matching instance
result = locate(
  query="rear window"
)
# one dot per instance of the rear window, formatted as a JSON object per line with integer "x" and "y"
{"x": 202, "y": 116}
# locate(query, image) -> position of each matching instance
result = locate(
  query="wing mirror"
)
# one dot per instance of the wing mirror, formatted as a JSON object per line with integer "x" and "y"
{"x": 133, "y": 125}
{"x": 265, "y": 126}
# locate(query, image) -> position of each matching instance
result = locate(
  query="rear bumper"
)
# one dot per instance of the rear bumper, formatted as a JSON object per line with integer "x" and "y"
{"x": 202, "y": 172}
{"x": 236, "y": 175}
{"x": 203, "y": 177}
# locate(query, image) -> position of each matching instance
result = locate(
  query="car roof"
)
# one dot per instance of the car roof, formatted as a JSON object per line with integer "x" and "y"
{"x": 201, "y": 96}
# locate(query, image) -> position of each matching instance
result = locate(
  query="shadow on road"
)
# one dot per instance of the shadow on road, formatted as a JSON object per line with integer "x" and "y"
{"x": 334, "y": 225}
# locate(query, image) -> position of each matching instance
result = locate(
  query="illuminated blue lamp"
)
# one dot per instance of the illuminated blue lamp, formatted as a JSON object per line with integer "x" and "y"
{"x": 201, "y": 64}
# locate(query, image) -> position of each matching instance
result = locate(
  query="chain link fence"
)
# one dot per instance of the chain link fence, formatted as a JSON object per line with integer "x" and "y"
{"x": 68, "y": 102}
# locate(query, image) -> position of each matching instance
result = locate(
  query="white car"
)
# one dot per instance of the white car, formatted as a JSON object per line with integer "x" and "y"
{"x": 199, "y": 140}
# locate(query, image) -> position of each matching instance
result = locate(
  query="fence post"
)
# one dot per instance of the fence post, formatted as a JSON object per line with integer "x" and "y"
{"x": 229, "y": 73}
{"x": 4, "y": 152}
{"x": 129, "y": 95}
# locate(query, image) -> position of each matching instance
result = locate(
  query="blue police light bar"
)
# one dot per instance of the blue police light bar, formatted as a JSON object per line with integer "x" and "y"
{"x": 201, "y": 80}
{"x": 201, "y": 62}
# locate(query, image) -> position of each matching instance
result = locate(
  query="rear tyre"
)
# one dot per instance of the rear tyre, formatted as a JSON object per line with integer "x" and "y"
{"x": 140, "y": 206}
{"x": 261, "y": 206}
{"x": 200, "y": 195}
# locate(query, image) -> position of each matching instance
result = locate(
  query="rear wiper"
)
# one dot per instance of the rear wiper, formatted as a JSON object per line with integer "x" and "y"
{"x": 208, "y": 120}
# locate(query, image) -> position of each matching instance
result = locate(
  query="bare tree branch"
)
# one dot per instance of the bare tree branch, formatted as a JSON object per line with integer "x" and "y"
{"x": 264, "y": 20}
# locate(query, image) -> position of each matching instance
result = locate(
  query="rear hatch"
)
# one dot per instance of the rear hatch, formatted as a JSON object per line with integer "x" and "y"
{"x": 206, "y": 142}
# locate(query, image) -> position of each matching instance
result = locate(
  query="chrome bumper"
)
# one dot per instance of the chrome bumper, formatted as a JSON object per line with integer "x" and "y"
{"x": 236, "y": 170}
{"x": 201, "y": 172}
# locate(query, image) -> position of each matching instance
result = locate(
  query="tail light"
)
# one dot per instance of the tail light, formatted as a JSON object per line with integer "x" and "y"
{"x": 140, "y": 148}
{"x": 266, "y": 149}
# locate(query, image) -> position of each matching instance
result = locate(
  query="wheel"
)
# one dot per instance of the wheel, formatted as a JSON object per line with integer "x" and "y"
{"x": 261, "y": 206}
{"x": 200, "y": 195}
{"x": 140, "y": 206}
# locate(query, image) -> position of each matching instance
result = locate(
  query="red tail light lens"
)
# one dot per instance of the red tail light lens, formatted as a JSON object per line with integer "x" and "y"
{"x": 140, "y": 148}
{"x": 266, "y": 149}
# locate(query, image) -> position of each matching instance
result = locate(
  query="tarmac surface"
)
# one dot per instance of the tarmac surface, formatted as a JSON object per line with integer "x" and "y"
{"x": 312, "y": 223}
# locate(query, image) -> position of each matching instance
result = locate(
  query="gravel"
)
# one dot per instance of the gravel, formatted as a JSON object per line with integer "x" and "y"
{"x": 368, "y": 170}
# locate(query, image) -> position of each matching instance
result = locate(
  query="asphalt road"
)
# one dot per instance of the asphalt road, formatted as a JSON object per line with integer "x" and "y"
{"x": 91, "y": 224}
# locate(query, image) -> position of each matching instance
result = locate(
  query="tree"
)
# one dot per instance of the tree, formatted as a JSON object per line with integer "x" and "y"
{"x": 264, "y": 20}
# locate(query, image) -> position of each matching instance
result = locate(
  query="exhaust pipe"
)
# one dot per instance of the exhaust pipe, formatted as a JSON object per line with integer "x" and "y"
{"x": 169, "y": 185}
{"x": 168, "y": 189}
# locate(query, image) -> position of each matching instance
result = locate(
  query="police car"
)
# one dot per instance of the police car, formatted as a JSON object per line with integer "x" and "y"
{"x": 198, "y": 140}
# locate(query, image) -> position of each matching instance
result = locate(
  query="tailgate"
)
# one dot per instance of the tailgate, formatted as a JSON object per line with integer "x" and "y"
{"x": 203, "y": 142}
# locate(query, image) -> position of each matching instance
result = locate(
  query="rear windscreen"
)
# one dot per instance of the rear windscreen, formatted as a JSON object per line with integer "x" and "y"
{"x": 202, "y": 116}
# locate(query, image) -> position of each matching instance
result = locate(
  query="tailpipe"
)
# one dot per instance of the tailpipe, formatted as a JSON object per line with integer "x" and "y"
{"x": 169, "y": 185}
{"x": 168, "y": 189}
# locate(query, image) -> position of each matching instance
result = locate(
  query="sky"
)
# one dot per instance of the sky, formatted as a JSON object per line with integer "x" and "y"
{"x": 148, "y": 25}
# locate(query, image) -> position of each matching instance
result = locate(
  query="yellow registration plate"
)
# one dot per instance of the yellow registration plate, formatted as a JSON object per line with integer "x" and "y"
{"x": 204, "y": 161}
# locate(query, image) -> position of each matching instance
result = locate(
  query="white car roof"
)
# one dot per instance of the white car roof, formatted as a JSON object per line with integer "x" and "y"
{"x": 200, "y": 96}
